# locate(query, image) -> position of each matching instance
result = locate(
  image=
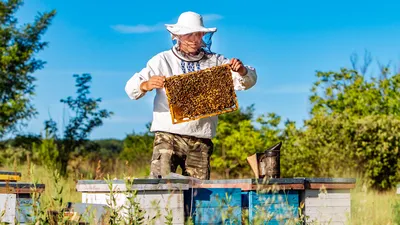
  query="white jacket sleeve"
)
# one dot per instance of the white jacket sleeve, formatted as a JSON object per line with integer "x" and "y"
{"x": 132, "y": 87}
{"x": 241, "y": 82}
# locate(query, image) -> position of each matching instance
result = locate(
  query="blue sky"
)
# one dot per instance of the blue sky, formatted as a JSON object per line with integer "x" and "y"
{"x": 286, "y": 41}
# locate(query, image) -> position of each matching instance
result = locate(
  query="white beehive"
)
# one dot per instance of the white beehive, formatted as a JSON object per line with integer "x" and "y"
{"x": 155, "y": 196}
{"x": 327, "y": 200}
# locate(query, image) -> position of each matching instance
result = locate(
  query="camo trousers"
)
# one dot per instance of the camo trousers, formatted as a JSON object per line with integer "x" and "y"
{"x": 190, "y": 153}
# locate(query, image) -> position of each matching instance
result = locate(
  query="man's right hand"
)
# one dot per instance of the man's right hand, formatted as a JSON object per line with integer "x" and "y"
{"x": 153, "y": 82}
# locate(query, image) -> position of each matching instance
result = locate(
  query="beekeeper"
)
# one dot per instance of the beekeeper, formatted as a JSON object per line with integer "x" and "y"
{"x": 187, "y": 144}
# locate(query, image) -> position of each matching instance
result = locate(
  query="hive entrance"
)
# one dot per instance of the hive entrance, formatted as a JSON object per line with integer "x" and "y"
{"x": 200, "y": 94}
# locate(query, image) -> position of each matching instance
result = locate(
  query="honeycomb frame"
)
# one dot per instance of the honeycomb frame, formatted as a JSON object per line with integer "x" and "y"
{"x": 204, "y": 93}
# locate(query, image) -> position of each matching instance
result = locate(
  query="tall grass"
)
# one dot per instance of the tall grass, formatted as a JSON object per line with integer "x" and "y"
{"x": 372, "y": 207}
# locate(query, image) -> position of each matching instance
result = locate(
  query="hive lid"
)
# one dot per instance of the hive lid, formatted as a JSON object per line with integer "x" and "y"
{"x": 17, "y": 187}
{"x": 137, "y": 184}
{"x": 331, "y": 180}
{"x": 10, "y": 176}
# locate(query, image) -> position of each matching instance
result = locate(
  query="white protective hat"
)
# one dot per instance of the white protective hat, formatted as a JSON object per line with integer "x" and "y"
{"x": 189, "y": 22}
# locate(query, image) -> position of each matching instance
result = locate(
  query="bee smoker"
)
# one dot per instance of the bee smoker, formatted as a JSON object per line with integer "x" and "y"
{"x": 267, "y": 164}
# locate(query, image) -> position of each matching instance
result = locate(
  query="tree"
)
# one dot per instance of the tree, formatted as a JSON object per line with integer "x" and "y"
{"x": 236, "y": 139}
{"x": 237, "y": 146}
{"x": 18, "y": 47}
{"x": 138, "y": 148}
{"x": 353, "y": 129}
{"x": 86, "y": 117}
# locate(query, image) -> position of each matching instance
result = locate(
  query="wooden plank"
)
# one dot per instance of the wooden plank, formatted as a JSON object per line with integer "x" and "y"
{"x": 9, "y": 177}
{"x": 332, "y": 194}
{"x": 277, "y": 205}
{"x": 273, "y": 198}
{"x": 12, "y": 190}
{"x": 223, "y": 215}
{"x": 331, "y": 186}
{"x": 24, "y": 207}
{"x": 213, "y": 197}
{"x": 122, "y": 187}
{"x": 248, "y": 187}
{"x": 273, "y": 222}
{"x": 8, "y": 206}
{"x": 278, "y": 186}
{"x": 327, "y": 222}
{"x": 327, "y": 209}
{"x": 326, "y": 217}
{"x": 271, "y": 181}
{"x": 243, "y": 186}
{"x": 330, "y": 180}
{"x": 174, "y": 202}
{"x": 145, "y": 200}
{"x": 3, "y": 172}
{"x": 326, "y": 202}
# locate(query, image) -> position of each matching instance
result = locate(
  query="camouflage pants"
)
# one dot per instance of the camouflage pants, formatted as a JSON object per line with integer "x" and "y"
{"x": 190, "y": 153}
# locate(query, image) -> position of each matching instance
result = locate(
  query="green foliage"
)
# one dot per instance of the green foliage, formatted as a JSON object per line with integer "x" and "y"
{"x": 18, "y": 47}
{"x": 138, "y": 148}
{"x": 235, "y": 148}
{"x": 86, "y": 117}
{"x": 396, "y": 212}
{"x": 353, "y": 129}
{"x": 46, "y": 153}
{"x": 231, "y": 125}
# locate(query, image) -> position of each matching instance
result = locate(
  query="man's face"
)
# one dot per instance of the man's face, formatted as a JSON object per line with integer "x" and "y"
{"x": 191, "y": 43}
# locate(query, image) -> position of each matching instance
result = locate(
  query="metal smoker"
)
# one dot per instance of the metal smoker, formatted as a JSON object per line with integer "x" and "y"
{"x": 266, "y": 164}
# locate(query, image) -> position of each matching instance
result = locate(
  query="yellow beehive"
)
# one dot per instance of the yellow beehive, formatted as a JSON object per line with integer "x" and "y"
{"x": 200, "y": 94}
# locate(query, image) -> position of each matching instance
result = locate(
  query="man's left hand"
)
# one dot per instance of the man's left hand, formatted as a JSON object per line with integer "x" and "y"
{"x": 237, "y": 66}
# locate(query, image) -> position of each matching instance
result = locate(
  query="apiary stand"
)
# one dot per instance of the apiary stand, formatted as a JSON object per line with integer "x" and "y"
{"x": 233, "y": 201}
{"x": 153, "y": 196}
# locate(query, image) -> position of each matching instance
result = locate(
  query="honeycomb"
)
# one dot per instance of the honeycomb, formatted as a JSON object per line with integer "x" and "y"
{"x": 201, "y": 94}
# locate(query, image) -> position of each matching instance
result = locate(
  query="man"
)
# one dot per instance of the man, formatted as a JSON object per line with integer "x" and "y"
{"x": 188, "y": 144}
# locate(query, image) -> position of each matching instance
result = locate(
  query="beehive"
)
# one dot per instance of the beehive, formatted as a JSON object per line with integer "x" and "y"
{"x": 153, "y": 195}
{"x": 200, "y": 94}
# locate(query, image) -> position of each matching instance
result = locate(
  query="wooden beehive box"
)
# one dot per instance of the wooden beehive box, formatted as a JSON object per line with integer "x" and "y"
{"x": 10, "y": 176}
{"x": 16, "y": 201}
{"x": 235, "y": 201}
{"x": 153, "y": 195}
{"x": 328, "y": 200}
{"x": 200, "y": 94}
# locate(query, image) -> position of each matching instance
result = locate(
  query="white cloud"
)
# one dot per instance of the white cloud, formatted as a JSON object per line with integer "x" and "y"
{"x": 137, "y": 29}
{"x": 142, "y": 28}
{"x": 211, "y": 17}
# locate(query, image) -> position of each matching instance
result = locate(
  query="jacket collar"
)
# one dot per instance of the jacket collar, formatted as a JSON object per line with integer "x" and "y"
{"x": 186, "y": 57}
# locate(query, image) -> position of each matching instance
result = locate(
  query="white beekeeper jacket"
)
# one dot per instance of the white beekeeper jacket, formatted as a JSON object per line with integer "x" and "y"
{"x": 173, "y": 62}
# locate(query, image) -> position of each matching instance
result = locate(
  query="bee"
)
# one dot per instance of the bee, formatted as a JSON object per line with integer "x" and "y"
{"x": 200, "y": 94}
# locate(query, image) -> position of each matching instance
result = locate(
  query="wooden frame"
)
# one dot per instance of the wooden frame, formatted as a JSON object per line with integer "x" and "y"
{"x": 207, "y": 95}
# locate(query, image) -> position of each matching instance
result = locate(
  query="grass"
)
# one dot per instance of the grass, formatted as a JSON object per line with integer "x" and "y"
{"x": 367, "y": 206}
{"x": 374, "y": 208}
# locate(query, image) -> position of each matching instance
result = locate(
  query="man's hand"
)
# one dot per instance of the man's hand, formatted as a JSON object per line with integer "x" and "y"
{"x": 153, "y": 82}
{"x": 237, "y": 66}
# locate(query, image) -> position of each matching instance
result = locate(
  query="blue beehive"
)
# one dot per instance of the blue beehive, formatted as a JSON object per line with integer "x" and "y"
{"x": 273, "y": 208}
{"x": 214, "y": 205}
{"x": 217, "y": 201}
{"x": 275, "y": 202}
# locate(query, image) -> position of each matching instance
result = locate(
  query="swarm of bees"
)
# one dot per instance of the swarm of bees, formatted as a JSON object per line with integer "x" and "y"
{"x": 200, "y": 94}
